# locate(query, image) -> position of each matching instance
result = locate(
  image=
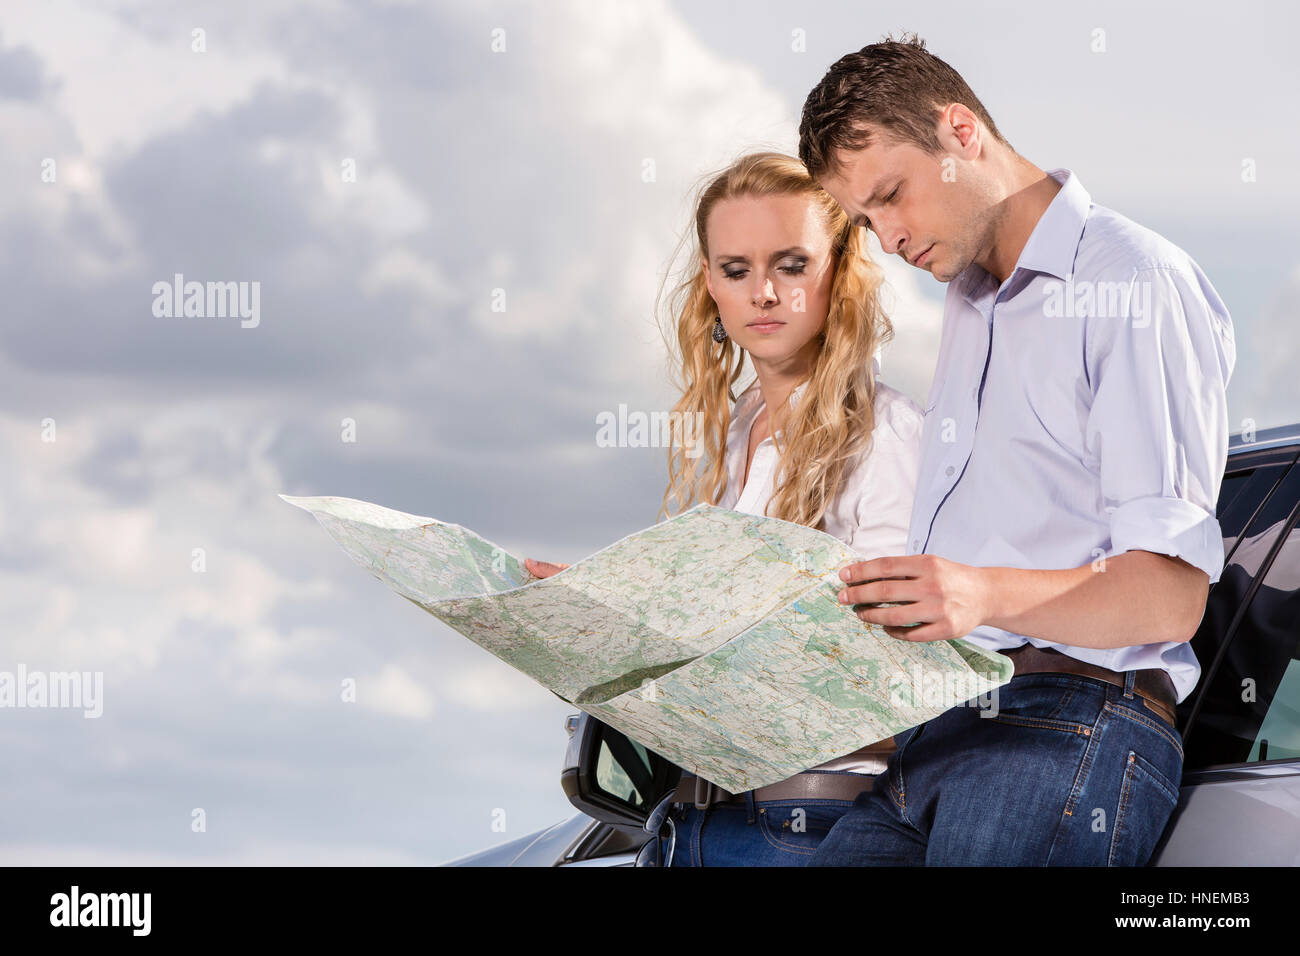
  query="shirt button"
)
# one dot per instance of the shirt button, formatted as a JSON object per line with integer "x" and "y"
{"x": 916, "y": 544}
{"x": 949, "y": 470}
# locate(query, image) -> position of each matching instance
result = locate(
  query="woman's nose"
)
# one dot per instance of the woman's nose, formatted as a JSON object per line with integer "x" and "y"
{"x": 765, "y": 294}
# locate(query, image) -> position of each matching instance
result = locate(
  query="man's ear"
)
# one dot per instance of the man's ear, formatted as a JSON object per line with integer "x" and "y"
{"x": 959, "y": 128}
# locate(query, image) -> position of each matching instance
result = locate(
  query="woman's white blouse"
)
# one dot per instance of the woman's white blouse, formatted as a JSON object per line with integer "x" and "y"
{"x": 873, "y": 509}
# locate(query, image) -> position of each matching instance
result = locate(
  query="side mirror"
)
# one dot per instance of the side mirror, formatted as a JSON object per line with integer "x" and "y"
{"x": 611, "y": 778}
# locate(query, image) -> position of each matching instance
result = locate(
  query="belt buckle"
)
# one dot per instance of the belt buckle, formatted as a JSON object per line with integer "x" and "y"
{"x": 703, "y": 804}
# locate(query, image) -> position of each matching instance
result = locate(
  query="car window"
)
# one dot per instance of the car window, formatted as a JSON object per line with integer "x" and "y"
{"x": 1277, "y": 606}
{"x": 1249, "y": 481}
{"x": 626, "y": 774}
{"x": 1232, "y": 485}
{"x": 1246, "y": 486}
{"x": 1249, "y": 706}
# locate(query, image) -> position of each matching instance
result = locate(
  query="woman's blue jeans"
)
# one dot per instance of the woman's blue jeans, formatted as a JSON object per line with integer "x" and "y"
{"x": 755, "y": 833}
{"x": 1065, "y": 771}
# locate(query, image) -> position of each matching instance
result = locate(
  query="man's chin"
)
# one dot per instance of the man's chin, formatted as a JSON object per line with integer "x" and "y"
{"x": 943, "y": 271}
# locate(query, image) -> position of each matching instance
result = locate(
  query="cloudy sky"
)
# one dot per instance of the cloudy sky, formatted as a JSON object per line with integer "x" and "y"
{"x": 143, "y": 139}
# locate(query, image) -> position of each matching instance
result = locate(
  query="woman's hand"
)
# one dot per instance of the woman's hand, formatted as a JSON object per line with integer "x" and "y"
{"x": 542, "y": 569}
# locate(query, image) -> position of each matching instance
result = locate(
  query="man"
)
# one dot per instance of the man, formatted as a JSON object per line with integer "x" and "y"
{"x": 1075, "y": 437}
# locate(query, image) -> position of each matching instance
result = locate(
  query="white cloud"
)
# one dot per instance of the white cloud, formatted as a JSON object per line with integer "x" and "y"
{"x": 1267, "y": 350}
{"x": 124, "y": 79}
{"x": 490, "y": 687}
{"x": 393, "y": 691}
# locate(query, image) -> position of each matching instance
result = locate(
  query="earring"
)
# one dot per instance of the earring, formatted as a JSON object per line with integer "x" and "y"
{"x": 719, "y": 333}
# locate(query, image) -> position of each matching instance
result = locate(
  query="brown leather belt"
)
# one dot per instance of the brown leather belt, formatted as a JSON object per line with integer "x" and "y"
{"x": 1152, "y": 684}
{"x": 809, "y": 785}
{"x": 802, "y": 786}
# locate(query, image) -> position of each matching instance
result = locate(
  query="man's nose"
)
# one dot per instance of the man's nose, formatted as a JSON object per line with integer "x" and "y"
{"x": 893, "y": 238}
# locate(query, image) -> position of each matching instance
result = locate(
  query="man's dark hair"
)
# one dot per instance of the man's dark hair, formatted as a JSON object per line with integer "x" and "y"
{"x": 896, "y": 86}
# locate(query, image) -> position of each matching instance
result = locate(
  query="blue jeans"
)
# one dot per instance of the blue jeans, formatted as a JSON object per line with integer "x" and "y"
{"x": 1070, "y": 771}
{"x": 756, "y": 833}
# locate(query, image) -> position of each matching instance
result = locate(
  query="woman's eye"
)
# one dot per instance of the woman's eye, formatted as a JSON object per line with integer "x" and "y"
{"x": 794, "y": 270}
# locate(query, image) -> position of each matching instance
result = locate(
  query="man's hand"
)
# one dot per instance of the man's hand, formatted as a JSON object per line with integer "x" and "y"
{"x": 542, "y": 569}
{"x": 941, "y": 599}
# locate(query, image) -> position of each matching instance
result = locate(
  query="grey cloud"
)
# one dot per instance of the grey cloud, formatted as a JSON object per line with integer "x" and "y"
{"x": 22, "y": 75}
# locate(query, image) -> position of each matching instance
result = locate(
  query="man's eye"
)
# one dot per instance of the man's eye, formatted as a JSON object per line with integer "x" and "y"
{"x": 890, "y": 197}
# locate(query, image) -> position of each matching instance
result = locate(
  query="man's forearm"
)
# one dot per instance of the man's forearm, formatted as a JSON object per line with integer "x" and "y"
{"x": 1140, "y": 598}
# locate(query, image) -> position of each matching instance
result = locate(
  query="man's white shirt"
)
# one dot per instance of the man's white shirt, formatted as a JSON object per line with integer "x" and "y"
{"x": 1078, "y": 411}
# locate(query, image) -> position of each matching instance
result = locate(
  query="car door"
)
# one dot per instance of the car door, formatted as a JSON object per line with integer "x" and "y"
{"x": 1240, "y": 800}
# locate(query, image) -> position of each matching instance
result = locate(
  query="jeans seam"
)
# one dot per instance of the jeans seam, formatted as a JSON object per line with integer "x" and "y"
{"x": 1063, "y": 702}
{"x": 1094, "y": 735}
{"x": 1159, "y": 727}
{"x": 899, "y": 794}
{"x": 1124, "y": 787}
{"x": 1131, "y": 769}
{"x": 1042, "y": 723}
{"x": 1147, "y": 766}
{"x": 1085, "y": 765}
{"x": 697, "y": 838}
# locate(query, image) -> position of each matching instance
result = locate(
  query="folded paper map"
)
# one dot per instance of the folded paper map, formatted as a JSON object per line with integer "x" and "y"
{"x": 714, "y": 637}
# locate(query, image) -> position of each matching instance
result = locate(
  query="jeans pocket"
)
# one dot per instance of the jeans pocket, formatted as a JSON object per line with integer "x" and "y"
{"x": 1147, "y": 799}
{"x": 800, "y": 828}
{"x": 1047, "y": 702}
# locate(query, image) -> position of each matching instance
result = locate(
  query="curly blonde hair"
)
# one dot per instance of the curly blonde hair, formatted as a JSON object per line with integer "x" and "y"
{"x": 835, "y": 415}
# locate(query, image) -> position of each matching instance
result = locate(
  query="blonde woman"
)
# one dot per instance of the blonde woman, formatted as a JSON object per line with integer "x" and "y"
{"x": 778, "y": 274}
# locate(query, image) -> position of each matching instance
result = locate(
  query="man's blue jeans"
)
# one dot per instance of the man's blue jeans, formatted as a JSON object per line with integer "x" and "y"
{"x": 757, "y": 833}
{"x": 1071, "y": 771}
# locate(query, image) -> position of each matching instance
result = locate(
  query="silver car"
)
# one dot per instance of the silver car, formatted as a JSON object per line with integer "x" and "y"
{"x": 1240, "y": 799}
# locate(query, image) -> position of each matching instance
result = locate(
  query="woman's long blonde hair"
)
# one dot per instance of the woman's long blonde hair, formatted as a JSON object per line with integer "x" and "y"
{"x": 835, "y": 415}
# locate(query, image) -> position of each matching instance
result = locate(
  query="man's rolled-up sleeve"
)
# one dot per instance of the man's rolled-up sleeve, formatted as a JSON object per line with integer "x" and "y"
{"x": 1158, "y": 422}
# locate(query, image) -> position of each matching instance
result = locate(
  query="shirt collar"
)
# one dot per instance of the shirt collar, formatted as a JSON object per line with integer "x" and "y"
{"x": 1054, "y": 242}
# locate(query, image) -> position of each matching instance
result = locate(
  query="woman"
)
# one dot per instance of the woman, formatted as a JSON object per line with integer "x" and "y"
{"x": 780, "y": 275}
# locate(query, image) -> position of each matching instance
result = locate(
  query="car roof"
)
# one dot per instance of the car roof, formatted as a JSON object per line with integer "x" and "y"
{"x": 1277, "y": 437}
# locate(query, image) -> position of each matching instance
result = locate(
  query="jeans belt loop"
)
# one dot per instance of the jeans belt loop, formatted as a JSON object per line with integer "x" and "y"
{"x": 702, "y": 803}
{"x": 1129, "y": 678}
